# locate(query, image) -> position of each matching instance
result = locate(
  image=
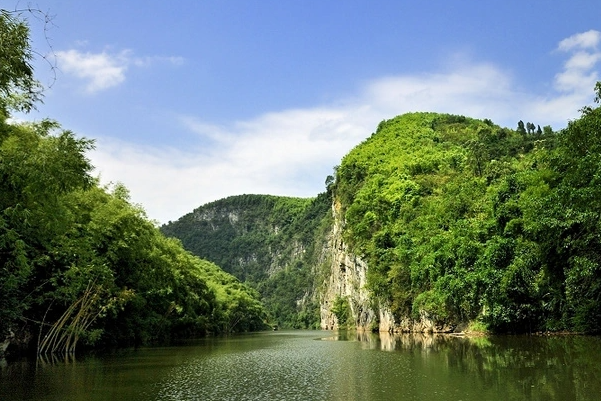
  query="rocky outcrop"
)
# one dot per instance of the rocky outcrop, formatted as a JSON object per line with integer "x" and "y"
{"x": 347, "y": 278}
{"x": 254, "y": 237}
{"x": 3, "y": 346}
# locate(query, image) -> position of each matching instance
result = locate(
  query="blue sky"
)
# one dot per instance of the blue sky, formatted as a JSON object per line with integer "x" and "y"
{"x": 192, "y": 101}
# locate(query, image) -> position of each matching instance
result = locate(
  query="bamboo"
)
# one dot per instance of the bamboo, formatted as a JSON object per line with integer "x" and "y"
{"x": 65, "y": 333}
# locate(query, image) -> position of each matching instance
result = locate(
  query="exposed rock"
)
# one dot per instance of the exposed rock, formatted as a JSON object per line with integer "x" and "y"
{"x": 3, "y": 346}
{"x": 348, "y": 278}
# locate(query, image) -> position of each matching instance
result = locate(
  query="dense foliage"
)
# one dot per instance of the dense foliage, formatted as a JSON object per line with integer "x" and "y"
{"x": 275, "y": 244}
{"x": 18, "y": 88}
{"x": 80, "y": 263}
{"x": 64, "y": 240}
{"x": 462, "y": 220}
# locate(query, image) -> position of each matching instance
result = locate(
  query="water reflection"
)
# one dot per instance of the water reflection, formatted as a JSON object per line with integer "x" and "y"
{"x": 393, "y": 341}
{"x": 517, "y": 367}
{"x": 323, "y": 366}
{"x": 55, "y": 359}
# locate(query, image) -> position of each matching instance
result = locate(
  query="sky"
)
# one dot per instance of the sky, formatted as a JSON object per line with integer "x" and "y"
{"x": 192, "y": 101}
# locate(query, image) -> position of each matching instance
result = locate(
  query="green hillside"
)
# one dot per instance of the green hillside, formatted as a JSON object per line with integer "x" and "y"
{"x": 275, "y": 244}
{"x": 461, "y": 220}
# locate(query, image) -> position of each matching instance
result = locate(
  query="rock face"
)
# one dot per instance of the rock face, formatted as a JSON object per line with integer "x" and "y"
{"x": 347, "y": 279}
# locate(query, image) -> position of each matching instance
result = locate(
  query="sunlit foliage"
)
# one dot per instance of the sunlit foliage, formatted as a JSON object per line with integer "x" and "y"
{"x": 463, "y": 220}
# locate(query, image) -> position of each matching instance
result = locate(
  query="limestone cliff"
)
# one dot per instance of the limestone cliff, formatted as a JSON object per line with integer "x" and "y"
{"x": 347, "y": 278}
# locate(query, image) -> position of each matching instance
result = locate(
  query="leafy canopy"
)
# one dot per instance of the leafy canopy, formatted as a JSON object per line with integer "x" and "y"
{"x": 19, "y": 90}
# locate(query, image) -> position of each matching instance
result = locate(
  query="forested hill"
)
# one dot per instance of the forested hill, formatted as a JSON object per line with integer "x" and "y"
{"x": 275, "y": 244}
{"x": 81, "y": 264}
{"x": 460, "y": 220}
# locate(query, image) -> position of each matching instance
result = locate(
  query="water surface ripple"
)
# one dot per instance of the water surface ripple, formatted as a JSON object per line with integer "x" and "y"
{"x": 315, "y": 365}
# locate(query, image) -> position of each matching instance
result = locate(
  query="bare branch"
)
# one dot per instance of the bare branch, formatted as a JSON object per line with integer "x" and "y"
{"x": 46, "y": 20}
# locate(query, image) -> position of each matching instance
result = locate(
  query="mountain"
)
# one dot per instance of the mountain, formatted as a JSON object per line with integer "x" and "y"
{"x": 275, "y": 244}
{"x": 436, "y": 222}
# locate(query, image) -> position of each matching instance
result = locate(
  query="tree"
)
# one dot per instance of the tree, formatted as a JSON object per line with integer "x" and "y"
{"x": 342, "y": 310}
{"x": 547, "y": 130}
{"x": 38, "y": 166}
{"x": 573, "y": 213}
{"x": 521, "y": 129}
{"x": 19, "y": 90}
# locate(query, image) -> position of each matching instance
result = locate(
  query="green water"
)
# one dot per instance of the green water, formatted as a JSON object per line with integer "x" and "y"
{"x": 317, "y": 365}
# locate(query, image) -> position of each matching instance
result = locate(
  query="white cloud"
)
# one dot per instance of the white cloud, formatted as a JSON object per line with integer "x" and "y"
{"x": 478, "y": 90}
{"x": 582, "y": 61}
{"x": 585, "y": 40}
{"x": 578, "y": 73}
{"x": 101, "y": 71}
{"x": 290, "y": 152}
{"x": 286, "y": 153}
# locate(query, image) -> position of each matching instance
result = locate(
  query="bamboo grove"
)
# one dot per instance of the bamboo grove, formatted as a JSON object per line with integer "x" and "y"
{"x": 79, "y": 263}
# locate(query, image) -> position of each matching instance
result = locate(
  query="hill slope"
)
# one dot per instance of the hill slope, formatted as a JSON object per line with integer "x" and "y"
{"x": 461, "y": 221}
{"x": 275, "y": 244}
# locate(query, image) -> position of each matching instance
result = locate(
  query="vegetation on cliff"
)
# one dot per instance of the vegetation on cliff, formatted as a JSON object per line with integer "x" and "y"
{"x": 275, "y": 244}
{"x": 463, "y": 220}
{"x": 80, "y": 263}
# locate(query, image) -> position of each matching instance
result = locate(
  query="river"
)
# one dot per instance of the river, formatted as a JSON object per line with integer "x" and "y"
{"x": 318, "y": 365}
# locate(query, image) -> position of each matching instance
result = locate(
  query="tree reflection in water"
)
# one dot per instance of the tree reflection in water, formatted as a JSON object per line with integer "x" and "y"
{"x": 562, "y": 367}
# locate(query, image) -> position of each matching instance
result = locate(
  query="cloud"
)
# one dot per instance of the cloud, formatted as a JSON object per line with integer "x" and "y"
{"x": 478, "y": 90}
{"x": 285, "y": 153}
{"x": 578, "y": 71}
{"x": 101, "y": 71}
{"x": 290, "y": 152}
{"x": 585, "y": 40}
